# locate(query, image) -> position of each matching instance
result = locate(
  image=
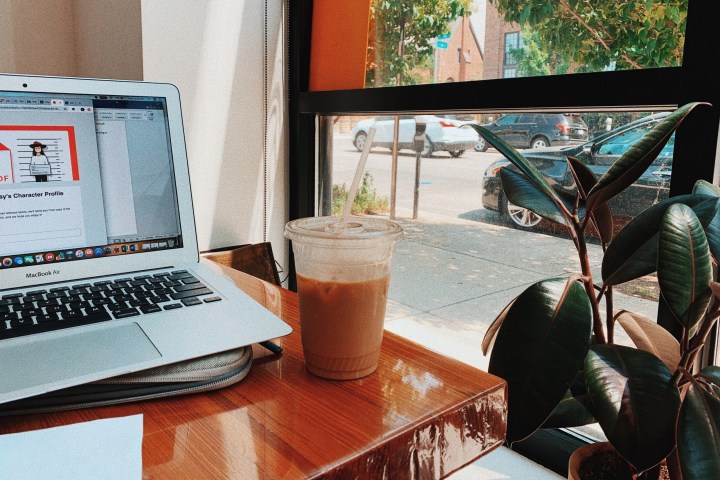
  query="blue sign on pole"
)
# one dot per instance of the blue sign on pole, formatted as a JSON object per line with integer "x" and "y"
{"x": 443, "y": 36}
{"x": 441, "y": 44}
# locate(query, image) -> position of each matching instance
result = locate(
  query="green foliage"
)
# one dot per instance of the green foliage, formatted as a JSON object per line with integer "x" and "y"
{"x": 598, "y": 35}
{"x": 416, "y": 23}
{"x": 367, "y": 201}
{"x": 533, "y": 60}
{"x": 633, "y": 393}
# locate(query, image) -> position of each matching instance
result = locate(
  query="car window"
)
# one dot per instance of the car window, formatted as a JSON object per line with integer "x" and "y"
{"x": 619, "y": 144}
{"x": 507, "y": 120}
{"x": 527, "y": 118}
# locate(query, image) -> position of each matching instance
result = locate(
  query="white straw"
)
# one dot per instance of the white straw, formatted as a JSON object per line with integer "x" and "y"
{"x": 358, "y": 176}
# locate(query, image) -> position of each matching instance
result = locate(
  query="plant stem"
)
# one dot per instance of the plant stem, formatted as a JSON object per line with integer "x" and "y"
{"x": 609, "y": 315}
{"x": 589, "y": 285}
{"x": 695, "y": 345}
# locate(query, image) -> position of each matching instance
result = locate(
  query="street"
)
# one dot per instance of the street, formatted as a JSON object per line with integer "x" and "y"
{"x": 448, "y": 186}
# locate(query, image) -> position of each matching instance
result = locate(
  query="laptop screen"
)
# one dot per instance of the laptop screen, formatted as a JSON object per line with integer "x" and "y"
{"x": 83, "y": 177}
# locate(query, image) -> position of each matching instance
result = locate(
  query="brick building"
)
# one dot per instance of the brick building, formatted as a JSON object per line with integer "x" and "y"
{"x": 462, "y": 60}
{"x": 500, "y": 38}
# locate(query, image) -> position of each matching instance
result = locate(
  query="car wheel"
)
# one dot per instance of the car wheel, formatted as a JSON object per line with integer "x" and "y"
{"x": 481, "y": 145}
{"x": 540, "y": 142}
{"x": 427, "y": 150}
{"x": 457, "y": 153}
{"x": 360, "y": 140}
{"x": 519, "y": 216}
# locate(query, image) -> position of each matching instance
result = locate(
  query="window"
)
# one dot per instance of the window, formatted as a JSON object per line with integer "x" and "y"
{"x": 594, "y": 97}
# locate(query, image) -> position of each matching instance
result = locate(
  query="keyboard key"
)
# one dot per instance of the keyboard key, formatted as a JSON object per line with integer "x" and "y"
{"x": 48, "y": 303}
{"x": 22, "y": 322}
{"x": 36, "y": 292}
{"x": 150, "y": 309}
{"x": 30, "y": 312}
{"x": 211, "y": 299}
{"x": 179, "y": 276}
{"x": 125, "y": 312}
{"x": 49, "y": 317}
{"x": 59, "y": 289}
{"x": 117, "y": 306}
{"x": 190, "y": 280}
{"x": 191, "y": 293}
{"x": 191, "y": 301}
{"x": 172, "y": 306}
{"x": 192, "y": 286}
{"x": 12, "y": 295}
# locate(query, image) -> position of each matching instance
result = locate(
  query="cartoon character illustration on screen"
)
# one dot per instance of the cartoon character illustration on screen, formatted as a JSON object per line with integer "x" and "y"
{"x": 39, "y": 164}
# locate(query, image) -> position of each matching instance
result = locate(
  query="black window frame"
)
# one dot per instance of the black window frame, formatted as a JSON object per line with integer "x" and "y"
{"x": 696, "y": 139}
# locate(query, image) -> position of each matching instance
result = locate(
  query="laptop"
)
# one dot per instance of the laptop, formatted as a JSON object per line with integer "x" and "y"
{"x": 100, "y": 272}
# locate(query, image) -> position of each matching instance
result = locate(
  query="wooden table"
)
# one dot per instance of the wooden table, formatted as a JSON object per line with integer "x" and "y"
{"x": 419, "y": 416}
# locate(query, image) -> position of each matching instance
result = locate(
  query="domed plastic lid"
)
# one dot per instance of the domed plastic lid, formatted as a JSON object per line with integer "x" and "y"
{"x": 334, "y": 229}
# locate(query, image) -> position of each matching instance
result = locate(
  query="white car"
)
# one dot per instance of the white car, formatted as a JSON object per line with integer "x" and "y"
{"x": 440, "y": 134}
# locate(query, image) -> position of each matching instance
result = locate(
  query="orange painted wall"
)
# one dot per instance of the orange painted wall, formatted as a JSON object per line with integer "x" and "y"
{"x": 339, "y": 44}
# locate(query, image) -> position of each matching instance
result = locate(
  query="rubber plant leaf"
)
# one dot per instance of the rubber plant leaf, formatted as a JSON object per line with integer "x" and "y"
{"x": 516, "y": 158}
{"x": 635, "y": 402}
{"x": 649, "y": 336}
{"x": 601, "y": 217}
{"x": 633, "y": 251}
{"x": 699, "y": 435}
{"x": 633, "y": 163}
{"x": 572, "y": 411}
{"x": 711, "y": 374}
{"x": 684, "y": 265}
{"x": 491, "y": 333}
{"x": 524, "y": 193}
{"x": 712, "y": 230}
{"x": 539, "y": 350}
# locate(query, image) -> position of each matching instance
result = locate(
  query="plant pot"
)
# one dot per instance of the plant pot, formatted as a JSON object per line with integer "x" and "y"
{"x": 598, "y": 461}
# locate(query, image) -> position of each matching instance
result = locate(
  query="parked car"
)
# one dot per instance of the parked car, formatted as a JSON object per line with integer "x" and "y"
{"x": 537, "y": 130}
{"x": 441, "y": 134}
{"x": 598, "y": 155}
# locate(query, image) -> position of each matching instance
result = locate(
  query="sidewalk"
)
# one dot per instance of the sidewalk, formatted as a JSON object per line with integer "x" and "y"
{"x": 450, "y": 279}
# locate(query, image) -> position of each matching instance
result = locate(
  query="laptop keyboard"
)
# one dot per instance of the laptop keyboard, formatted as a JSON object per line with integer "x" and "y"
{"x": 79, "y": 304}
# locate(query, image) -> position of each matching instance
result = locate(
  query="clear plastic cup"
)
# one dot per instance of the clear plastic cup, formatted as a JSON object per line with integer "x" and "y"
{"x": 343, "y": 273}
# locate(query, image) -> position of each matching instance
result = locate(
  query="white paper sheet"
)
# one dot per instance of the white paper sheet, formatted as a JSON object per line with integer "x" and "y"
{"x": 106, "y": 449}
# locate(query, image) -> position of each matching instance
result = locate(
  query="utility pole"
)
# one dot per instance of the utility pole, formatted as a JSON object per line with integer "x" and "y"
{"x": 396, "y": 133}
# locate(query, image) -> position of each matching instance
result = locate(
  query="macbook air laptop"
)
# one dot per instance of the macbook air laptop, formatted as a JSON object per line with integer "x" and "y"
{"x": 100, "y": 272}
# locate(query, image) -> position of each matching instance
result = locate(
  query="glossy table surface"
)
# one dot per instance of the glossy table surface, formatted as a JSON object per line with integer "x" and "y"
{"x": 420, "y": 415}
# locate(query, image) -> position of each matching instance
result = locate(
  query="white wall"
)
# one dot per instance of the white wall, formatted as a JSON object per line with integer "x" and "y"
{"x": 92, "y": 38}
{"x": 214, "y": 52}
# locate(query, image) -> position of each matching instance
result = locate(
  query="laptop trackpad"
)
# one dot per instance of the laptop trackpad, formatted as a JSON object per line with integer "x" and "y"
{"x": 73, "y": 355}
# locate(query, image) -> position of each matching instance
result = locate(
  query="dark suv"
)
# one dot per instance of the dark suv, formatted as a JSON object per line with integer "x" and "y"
{"x": 598, "y": 155}
{"x": 537, "y": 130}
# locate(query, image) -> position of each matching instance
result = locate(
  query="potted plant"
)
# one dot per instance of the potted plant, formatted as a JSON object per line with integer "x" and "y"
{"x": 554, "y": 344}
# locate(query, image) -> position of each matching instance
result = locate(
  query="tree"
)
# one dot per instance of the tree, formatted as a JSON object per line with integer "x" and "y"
{"x": 532, "y": 58}
{"x": 598, "y": 35}
{"x": 411, "y": 24}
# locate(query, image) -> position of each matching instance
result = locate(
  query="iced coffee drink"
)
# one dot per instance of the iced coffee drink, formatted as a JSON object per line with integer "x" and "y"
{"x": 343, "y": 273}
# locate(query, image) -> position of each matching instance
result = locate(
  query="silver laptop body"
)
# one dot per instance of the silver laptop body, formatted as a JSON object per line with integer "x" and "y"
{"x": 95, "y": 198}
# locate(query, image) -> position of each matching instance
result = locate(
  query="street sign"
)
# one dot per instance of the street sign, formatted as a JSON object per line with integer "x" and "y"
{"x": 443, "y": 36}
{"x": 441, "y": 44}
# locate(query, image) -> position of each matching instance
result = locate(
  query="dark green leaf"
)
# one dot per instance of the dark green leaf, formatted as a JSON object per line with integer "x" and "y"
{"x": 713, "y": 229}
{"x": 522, "y": 163}
{"x": 635, "y": 401}
{"x": 540, "y": 349}
{"x": 601, "y": 216}
{"x": 699, "y": 435}
{"x": 703, "y": 187}
{"x": 631, "y": 165}
{"x": 633, "y": 251}
{"x": 492, "y": 330}
{"x": 523, "y": 193}
{"x": 684, "y": 266}
{"x": 570, "y": 412}
{"x": 711, "y": 373}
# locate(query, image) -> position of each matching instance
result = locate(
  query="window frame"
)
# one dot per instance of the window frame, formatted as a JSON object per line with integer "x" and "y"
{"x": 631, "y": 90}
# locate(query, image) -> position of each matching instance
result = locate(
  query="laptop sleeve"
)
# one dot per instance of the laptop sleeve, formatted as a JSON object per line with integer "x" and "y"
{"x": 192, "y": 376}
